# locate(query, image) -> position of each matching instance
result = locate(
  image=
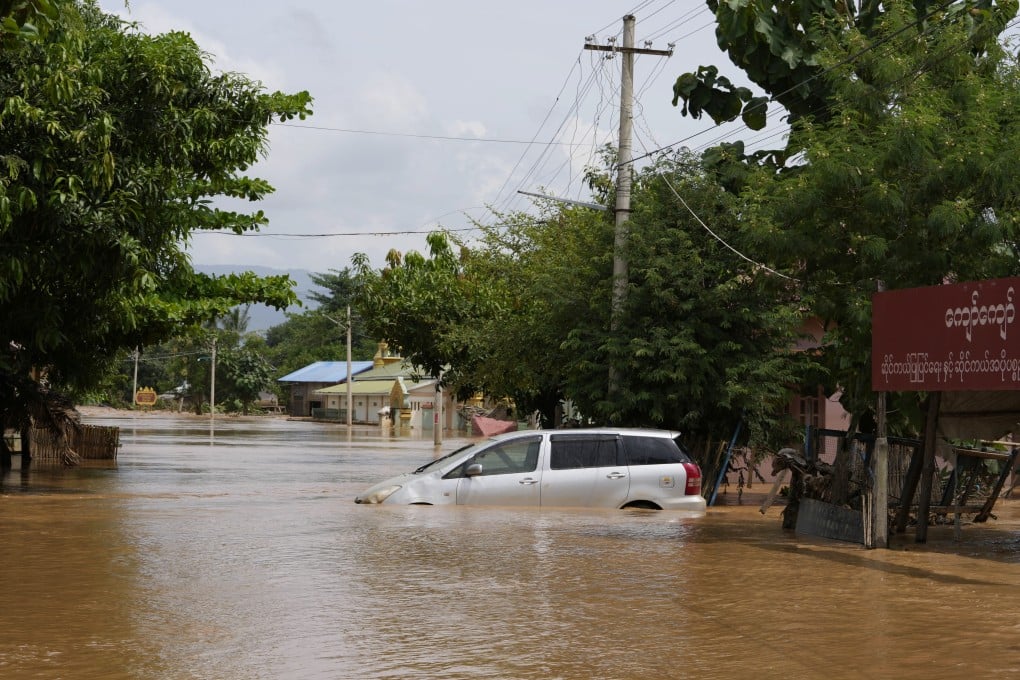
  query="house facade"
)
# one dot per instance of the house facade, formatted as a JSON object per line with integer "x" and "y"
{"x": 391, "y": 389}
{"x": 813, "y": 407}
{"x": 305, "y": 382}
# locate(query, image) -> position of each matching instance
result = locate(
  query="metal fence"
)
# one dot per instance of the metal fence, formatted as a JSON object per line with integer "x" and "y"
{"x": 970, "y": 480}
{"x": 329, "y": 414}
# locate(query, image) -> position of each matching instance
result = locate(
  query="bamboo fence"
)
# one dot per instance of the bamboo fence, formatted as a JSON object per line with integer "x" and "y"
{"x": 90, "y": 442}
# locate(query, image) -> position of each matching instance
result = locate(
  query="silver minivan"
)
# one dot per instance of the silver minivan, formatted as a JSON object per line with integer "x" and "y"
{"x": 603, "y": 467}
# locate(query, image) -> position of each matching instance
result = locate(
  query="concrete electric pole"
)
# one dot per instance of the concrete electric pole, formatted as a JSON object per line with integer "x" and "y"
{"x": 624, "y": 161}
{"x": 350, "y": 400}
{"x": 134, "y": 387}
{"x": 212, "y": 382}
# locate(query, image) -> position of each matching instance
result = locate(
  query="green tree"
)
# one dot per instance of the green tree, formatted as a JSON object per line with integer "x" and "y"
{"x": 777, "y": 45}
{"x": 113, "y": 145}
{"x": 704, "y": 341}
{"x": 705, "y": 338}
{"x": 471, "y": 313}
{"x": 418, "y": 305}
{"x": 320, "y": 334}
{"x": 543, "y": 274}
{"x": 340, "y": 292}
{"x": 246, "y": 373}
{"x": 909, "y": 181}
{"x": 301, "y": 340}
{"x": 22, "y": 21}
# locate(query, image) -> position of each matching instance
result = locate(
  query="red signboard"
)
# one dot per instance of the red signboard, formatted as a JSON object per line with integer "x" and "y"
{"x": 963, "y": 336}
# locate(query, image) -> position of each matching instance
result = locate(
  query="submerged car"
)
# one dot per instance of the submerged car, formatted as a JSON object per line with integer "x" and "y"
{"x": 604, "y": 468}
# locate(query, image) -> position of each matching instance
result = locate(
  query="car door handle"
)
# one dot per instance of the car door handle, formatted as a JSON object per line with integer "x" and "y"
{"x": 615, "y": 475}
{"x": 529, "y": 480}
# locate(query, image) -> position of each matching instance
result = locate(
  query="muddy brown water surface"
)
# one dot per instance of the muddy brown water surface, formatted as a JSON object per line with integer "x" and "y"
{"x": 235, "y": 551}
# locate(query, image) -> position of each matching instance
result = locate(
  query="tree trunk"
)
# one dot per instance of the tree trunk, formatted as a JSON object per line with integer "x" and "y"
{"x": 5, "y": 454}
{"x": 26, "y": 444}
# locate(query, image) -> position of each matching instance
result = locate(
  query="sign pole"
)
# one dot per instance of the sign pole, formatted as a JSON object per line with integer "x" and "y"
{"x": 880, "y": 495}
{"x": 880, "y": 465}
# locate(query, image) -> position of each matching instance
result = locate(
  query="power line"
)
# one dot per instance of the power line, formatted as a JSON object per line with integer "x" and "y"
{"x": 576, "y": 64}
{"x": 449, "y": 138}
{"x": 330, "y": 234}
{"x": 579, "y": 96}
{"x": 712, "y": 233}
{"x": 843, "y": 62}
{"x": 685, "y": 18}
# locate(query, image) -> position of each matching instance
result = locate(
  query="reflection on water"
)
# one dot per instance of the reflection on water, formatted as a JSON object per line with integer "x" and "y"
{"x": 234, "y": 550}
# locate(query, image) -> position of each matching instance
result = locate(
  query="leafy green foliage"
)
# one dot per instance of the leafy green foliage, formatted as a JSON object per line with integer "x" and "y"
{"x": 22, "y": 21}
{"x": 113, "y": 146}
{"x": 546, "y": 275}
{"x": 910, "y": 180}
{"x": 777, "y": 45}
{"x": 246, "y": 372}
{"x": 524, "y": 314}
{"x": 417, "y": 303}
{"x": 708, "y": 92}
{"x": 705, "y": 337}
{"x": 340, "y": 288}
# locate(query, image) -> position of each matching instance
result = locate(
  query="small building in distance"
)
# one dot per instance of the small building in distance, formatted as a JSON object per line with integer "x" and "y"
{"x": 304, "y": 382}
{"x": 391, "y": 386}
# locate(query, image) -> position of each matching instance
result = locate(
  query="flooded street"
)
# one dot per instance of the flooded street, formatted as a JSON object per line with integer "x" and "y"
{"x": 235, "y": 551}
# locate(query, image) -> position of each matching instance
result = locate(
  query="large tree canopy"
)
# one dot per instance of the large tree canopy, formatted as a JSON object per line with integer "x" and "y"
{"x": 419, "y": 304}
{"x": 777, "y": 45}
{"x": 706, "y": 337}
{"x": 910, "y": 181}
{"x": 704, "y": 340}
{"x": 113, "y": 146}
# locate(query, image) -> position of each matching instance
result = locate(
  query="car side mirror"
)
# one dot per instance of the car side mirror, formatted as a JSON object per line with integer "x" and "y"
{"x": 473, "y": 470}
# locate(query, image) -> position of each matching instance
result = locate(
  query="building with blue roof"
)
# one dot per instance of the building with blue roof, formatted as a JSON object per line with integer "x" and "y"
{"x": 305, "y": 381}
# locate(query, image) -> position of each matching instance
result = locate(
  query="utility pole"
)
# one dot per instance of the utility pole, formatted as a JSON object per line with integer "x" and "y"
{"x": 880, "y": 494}
{"x": 437, "y": 413}
{"x": 134, "y": 388}
{"x": 212, "y": 383}
{"x": 350, "y": 399}
{"x": 624, "y": 173}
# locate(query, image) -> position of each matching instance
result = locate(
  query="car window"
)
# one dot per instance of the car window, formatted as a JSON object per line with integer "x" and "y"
{"x": 569, "y": 452}
{"x": 653, "y": 451}
{"x": 516, "y": 456}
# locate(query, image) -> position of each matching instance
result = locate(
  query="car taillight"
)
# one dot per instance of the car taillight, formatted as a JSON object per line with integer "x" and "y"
{"x": 693, "y": 487}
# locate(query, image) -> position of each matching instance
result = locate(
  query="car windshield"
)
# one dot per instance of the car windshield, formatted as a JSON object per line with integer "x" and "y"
{"x": 439, "y": 462}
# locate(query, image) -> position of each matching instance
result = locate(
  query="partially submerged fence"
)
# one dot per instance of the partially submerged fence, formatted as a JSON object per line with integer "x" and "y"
{"x": 824, "y": 445}
{"x": 964, "y": 481}
{"x": 90, "y": 442}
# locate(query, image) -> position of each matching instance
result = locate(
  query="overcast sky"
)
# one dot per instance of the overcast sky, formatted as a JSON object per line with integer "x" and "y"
{"x": 391, "y": 78}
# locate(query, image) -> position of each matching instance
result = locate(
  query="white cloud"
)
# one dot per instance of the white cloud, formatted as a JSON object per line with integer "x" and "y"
{"x": 153, "y": 18}
{"x": 443, "y": 68}
{"x": 466, "y": 128}
{"x": 391, "y": 100}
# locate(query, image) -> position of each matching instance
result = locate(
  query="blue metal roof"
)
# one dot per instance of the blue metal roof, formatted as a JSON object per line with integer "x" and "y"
{"x": 325, "y": 372}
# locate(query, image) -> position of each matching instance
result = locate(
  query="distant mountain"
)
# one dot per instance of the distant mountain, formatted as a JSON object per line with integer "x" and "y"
{"x": 263, "y": 317}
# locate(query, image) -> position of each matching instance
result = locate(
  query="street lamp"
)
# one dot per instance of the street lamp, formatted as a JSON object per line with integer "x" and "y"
{"x": 349, "y": 395}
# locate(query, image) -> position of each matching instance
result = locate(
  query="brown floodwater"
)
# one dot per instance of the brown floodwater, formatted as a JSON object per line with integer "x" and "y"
{"x": 235, "y": 551}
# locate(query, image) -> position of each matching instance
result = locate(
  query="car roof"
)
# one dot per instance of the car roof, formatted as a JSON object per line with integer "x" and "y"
{"x": 633, "y": 431}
